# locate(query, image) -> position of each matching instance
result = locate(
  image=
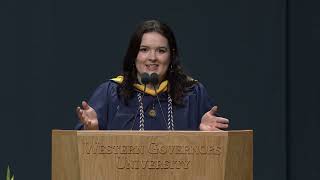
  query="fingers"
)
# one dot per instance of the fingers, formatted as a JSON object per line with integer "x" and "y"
{"x": 222, "y": 123}
{"x": 83, "y": 115}
{"x": 210, "y": 127}
{"x": 79, "y": 112}
{"x": 85, "y": 105}
{"x": 88, "y": 123}
{"x": 213, "y": 110}
{"x": 222, "y": 120}
{"x": 221, "y": 126}
{"x": 213, "y": 123}
{"x": 216, "y": 126}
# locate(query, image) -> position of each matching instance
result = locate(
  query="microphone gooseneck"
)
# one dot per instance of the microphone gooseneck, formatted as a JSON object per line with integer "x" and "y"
{"x": 145, "y": 79}
{"x": 154, "y": 80}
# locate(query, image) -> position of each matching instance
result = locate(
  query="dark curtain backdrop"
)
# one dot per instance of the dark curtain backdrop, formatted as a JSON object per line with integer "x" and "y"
{"x": 258, "y": 59}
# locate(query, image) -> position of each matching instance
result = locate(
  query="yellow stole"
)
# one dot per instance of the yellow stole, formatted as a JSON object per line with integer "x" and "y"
{"x": 162, "y": 88}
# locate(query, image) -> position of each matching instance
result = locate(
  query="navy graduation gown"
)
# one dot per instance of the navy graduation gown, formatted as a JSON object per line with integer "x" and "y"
{"x": 113, "y": 114}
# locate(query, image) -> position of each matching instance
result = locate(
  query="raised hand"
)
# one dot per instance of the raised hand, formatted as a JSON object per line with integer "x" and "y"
{"x": 88, "y": 116}
{"x": 210, "y": 122}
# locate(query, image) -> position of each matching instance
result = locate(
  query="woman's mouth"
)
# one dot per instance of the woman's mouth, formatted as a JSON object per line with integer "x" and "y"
{"x": 152, "y": 67}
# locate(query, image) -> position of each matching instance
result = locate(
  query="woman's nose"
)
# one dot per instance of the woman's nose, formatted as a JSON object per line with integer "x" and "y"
{"x": 152, "y": 55}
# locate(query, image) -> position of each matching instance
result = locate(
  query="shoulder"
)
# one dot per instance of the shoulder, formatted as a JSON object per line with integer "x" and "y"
{"x": 107, "y": 88}
{"x": 195, "y": 87}
{"x": 200, "y": 95}
{"x": 105, "y": 92}
{"x": 113, "y": 82}
{"x": 108, "y": 85}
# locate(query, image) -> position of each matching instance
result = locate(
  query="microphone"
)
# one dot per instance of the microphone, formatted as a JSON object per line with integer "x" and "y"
{"x": 145, "y": 79}
{"x": 154, "y": 80}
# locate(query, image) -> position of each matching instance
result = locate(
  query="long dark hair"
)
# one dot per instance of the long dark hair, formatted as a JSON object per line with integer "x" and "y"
{"x": 178, "y": 80}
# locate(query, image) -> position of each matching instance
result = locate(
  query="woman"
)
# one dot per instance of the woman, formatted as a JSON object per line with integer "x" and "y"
{"x": 173, "y": 101}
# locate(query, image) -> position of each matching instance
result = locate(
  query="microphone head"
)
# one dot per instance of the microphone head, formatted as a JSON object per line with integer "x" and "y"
{"x": 154, "y": 78}
{"x": 145, "y": 78}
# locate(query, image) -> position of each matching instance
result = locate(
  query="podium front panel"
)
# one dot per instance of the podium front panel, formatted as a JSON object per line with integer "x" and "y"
{"x": 142, "y": 155}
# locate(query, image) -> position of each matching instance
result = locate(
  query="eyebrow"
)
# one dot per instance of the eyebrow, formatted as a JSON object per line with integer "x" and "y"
{"x": 157, "y": 47}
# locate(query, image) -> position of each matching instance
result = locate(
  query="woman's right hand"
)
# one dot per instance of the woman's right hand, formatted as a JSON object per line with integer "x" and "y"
{"x": 88, "y": 117}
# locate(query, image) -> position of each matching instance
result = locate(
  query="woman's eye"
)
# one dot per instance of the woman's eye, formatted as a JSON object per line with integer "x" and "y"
{"x": 143, "y": 50}
{"x": 162, "y": 51}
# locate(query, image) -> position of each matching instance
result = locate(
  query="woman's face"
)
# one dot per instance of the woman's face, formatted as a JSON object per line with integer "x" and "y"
{"x": 153, "y": 56}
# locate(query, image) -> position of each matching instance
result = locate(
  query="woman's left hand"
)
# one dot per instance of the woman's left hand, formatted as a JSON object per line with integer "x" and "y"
{"x": 210, "y": 122}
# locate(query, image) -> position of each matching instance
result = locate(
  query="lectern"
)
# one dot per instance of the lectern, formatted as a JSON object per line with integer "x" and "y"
{"x": 152, "y": 155}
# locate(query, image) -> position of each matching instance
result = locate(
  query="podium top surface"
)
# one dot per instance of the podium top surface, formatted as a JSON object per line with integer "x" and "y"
{"x": 128, "y": 132}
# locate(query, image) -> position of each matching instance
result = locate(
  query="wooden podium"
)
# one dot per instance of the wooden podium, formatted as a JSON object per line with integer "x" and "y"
{"x": 152, "y": 155}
